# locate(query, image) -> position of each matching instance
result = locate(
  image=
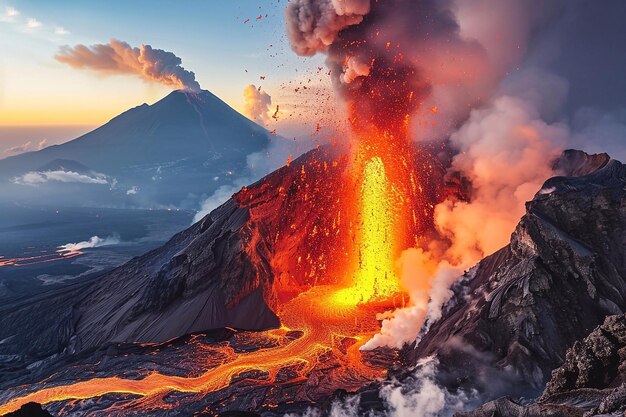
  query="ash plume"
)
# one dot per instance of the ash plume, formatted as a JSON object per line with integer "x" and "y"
{"x": 400, "y": 58}
{"x": 490, "y": 77}
{"x": 313, "y": 25}
{"x": 257, "y": 104}
{"x": 118, "y": 57}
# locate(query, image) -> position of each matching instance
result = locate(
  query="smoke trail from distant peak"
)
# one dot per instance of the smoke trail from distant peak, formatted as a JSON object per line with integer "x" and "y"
{"x": 117, "y": 57}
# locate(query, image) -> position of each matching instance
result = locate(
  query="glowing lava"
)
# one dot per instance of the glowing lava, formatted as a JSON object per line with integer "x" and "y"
{"x": 374, "y": 278}
{"x": 323, "y": 331}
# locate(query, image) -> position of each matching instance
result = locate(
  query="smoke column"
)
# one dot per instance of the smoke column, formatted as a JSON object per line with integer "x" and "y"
{"x": 118, "y": 57}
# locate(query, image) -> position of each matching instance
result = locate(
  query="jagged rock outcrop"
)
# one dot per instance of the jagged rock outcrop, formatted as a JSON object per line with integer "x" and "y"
{"x": 564, "y": 271}
{"x": 598, "y": 361}
{"x": 591, "y": 381}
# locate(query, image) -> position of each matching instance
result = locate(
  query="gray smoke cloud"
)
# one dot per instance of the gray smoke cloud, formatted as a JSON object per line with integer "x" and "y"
{"x": 118, "y": 57}
{"x": 313, "y": 25}
{"x": 93, "y": 242}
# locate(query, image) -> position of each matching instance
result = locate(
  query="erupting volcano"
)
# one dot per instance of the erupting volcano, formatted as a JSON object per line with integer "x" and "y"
{"x": 353, "y": 271}
{"x": 336, "y": 233}
{"x": 342, "y": 219}
{"x": 337, "y": 230}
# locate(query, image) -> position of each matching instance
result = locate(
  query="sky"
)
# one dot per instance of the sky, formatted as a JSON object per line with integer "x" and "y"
{"x": 214, "y": 39}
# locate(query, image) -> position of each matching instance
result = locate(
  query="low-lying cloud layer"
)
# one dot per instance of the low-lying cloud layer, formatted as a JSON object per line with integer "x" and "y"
{"x": 37, "y": 178}
{"x": 118, "y": 57}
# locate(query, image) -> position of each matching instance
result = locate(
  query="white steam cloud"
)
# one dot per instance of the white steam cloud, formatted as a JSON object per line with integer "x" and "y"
{"x": 38, "y": 178}
{"x": 259, "y": 164}
{"x": 118, "y": 57}
{"x": 257, "y": 104}
{"x": 419, "y": 395}
{"x": 42, "y": 144}
{"x": 93, "y": 242}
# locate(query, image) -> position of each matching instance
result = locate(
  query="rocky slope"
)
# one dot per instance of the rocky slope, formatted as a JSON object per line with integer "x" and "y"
{"x": 562, "y": 274}
{"x": 511, "y": 322}
{"x": 591, "y": 381}
{"x": 221, "y": 272}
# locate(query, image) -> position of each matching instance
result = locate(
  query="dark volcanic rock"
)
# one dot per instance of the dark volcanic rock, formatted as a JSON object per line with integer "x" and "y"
{"x": 505, "y": 407}
{"x": 576, "y": 163}
{"x": 590, "y": 382}
{"x": 562, "y": 274}
{"x": 30, "y": 410}
{"x": 599, "y": 361}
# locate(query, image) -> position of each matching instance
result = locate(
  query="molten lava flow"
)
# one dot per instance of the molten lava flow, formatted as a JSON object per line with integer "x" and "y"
{"x": 333, "y": 261}
{"x": 322, "y": 331}
{"x": 374, "y": 278}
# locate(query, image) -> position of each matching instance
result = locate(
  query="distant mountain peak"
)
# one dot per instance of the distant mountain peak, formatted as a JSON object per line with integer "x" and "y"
{"x": 172, "y": 149}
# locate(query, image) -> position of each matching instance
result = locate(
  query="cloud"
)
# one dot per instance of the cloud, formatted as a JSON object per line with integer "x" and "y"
{"x": 506, "y": 151}
{"x": 219, "y": 197}
{"x": 32, "y": 23}
{"x": 42, "y": 144}
{"x": 313, "y": 25}
{"x": 132, "y": 190}
{"x": 257, "y": 104}
{"x": 61, "y": 31}
{"x": 421, "y": 395}
{"x": 259, "y": 164}
{"x": 25, "y": 147}
{"x": 93, "y": 242}
{"x": 427, "y": 280}
{"x": 38, "y": 178}
{"x": 118, "y": 57}
{"x": 9, "y": 15}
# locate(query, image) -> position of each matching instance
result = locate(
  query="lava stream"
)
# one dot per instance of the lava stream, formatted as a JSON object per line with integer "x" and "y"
{"x": 321, "y": 331}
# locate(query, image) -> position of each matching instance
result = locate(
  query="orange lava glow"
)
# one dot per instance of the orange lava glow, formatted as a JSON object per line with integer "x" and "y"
{"x": 329, "y": 298}
{"x": 322, "y": 331}
{"x": 38, "y": 259}
{"x": 325, "y": 258}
